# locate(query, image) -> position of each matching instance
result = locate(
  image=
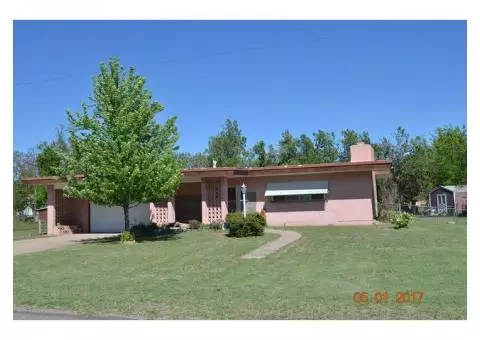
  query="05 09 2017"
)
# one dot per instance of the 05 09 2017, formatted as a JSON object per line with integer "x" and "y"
{"x": 402, "y": 297}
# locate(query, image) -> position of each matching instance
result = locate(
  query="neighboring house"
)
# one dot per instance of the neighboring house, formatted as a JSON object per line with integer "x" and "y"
{"x": 26, "y": 213}
{"x": 449, "y": 198}
{"x": 315, "y": 194}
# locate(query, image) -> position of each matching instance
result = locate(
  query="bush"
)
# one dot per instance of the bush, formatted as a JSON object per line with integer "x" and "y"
{"x": 252, "y": 225}
{"x": 401, "y": 219}
{"x": 127, "y": 236}
{"x": 194, "y": 224}
{"x": 234, "y": 218}
{"x": 259, "y": 218}
{"x": 216, "y": 225}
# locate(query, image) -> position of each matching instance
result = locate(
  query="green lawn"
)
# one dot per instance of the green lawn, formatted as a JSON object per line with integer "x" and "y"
{"x": 200, "y": 275}
{"x": 25, "y": 229}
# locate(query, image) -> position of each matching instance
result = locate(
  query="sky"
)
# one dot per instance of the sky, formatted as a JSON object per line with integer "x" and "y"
{"x": 270, "y": 76}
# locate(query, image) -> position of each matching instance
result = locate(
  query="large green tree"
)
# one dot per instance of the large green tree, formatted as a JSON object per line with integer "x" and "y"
{"x": 271, "y": 156}
{"x": 349, "y": 138}
{"x": 326, "y": 147}
{"x": 306, "y": 150}
{"x": 127, "y": 158}
{"x": 413, "y": 172}
{"x": 50, "y": 161}
{"x": 228, "y": 147}
{"x": 383, "y": 149}
{"x": 450, "y": 156}
{"x": 193, "y": 160}
{"x": 260, "y": 154}
{"x": 288, "y": 152}
{"x": 24, "y": 165}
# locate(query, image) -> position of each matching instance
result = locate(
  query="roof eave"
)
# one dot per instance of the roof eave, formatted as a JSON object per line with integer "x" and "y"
{"x": 379, "y": 167}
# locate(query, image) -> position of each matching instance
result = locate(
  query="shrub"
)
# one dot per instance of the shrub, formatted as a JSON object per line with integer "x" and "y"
{"x": 216, "y": 225}
{"x": 234, "y": 218}
{"x": 194, "y": 224}
{"x": 252, "y": 225}
{"x": 127, "y": 236}
{"x": 259, "y": 218}
{"x": 401, "y": 219}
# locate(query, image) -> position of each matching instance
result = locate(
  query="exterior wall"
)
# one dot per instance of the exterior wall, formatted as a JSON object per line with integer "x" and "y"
{"x": 159, "y": 213}
{"x": 189, "y": 189}
{"x": 224, "y": 198}
{"x": 72, "y": 212}
{"x": 214, "y": 211}
{"x": 375, "y": 200}
{"x": 162, "y": 213}
{"x": 349, "y": 201}
{"x": 461, "y": 201}
{"x": 433, "y": 197}
{"x": 204, "y": 202}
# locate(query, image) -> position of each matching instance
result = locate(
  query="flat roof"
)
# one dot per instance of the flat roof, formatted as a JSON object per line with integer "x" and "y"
{"x": 380, "y": 167}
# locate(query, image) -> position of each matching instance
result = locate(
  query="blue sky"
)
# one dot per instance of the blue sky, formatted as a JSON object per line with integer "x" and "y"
{"x": 275, "y": 75}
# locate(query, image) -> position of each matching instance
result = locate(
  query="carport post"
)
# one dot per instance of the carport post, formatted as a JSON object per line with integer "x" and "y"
{"x": 51, "y": 215}
{"x": 171, "y": 210}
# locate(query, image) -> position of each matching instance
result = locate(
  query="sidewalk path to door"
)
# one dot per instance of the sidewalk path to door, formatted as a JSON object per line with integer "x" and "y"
{"x": 286, "y": 237}
{"x": 53, "y": 242}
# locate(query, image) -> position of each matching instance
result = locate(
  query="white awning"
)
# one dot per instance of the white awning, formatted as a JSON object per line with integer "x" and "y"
{"x": 296, "y": 188}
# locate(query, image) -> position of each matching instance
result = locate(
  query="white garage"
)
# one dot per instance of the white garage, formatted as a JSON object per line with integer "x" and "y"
{"x": 105, "y": 219}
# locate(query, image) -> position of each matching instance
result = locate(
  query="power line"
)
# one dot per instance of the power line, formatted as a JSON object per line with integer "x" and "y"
{"x": 169, "y": 61}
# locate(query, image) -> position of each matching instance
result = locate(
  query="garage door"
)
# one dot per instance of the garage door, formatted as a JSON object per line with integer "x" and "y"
{"x": 110, "y": 219}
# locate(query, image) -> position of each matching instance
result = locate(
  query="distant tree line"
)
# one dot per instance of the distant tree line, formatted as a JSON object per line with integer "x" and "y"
{"x": 419, "y": 164}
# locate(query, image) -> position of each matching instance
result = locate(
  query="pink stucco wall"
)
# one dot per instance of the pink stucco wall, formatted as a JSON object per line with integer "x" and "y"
{"x": 349, "y": 201}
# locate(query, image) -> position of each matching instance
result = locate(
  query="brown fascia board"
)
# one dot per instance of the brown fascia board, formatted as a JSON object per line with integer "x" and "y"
{"x": 46, "y": 180}
{"x": 377, "y": 166}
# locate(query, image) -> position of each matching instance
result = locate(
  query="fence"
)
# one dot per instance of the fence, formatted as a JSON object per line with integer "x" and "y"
{"x": 42, "y": 226}
{"x": 445, "y": 213}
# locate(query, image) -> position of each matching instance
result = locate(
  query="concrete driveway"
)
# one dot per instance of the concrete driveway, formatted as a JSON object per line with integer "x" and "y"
{"x": 53, "y": 242}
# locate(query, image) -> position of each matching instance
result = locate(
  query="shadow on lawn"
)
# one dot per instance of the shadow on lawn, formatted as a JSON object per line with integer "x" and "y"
{"x": 141, "y": 235}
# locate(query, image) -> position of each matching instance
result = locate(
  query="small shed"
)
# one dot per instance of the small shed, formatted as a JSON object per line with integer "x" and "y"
{"x": 42, "y": 214}
{"x": 449, "y": 198}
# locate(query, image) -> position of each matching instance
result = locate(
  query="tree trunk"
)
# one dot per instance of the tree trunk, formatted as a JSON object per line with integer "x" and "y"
{"x": 126, "y": 209}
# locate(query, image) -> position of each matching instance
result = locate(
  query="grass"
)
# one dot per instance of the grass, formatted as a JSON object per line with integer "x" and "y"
{"x": 200, "y": 275}
{"x": 25, "y": 229}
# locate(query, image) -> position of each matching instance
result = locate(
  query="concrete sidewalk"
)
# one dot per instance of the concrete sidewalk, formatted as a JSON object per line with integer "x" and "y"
{"x": 286, "y": 237}
{"x": 53, "y": 242}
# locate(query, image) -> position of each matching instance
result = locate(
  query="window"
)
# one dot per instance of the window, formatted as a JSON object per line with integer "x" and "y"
{"x": 298, "y": 198}
{"x": 442, "y": 199}
{"x": 251, "y": 196}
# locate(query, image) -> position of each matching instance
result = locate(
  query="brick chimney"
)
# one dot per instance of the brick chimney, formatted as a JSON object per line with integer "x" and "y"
{"x": 361, "y": 152}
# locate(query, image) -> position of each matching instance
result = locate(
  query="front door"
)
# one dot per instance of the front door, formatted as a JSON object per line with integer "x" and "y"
{"x": 442, "y": 203}
{"x": 232, "y": 199}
